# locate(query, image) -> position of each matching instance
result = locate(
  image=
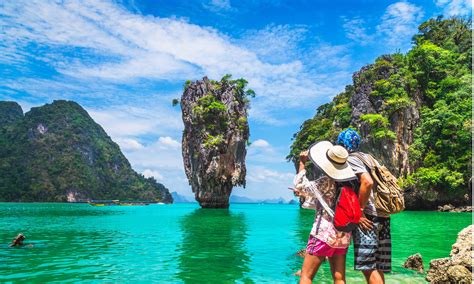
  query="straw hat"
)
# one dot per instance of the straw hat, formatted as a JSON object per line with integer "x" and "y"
{"x": 331, "y": 159}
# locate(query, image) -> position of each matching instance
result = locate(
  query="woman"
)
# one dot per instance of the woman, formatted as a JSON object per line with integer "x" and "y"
{"x": 324, "y": 240}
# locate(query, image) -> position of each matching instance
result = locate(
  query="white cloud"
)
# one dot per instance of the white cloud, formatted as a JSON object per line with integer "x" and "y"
{"x": 169, "y": 142}
{"x": 103, "y": 43}
{"x": 260, "y": 143}
{"x": 128, "y": 121}
{"x": 264, "y": 175}
{"x": 275, "y": 43}
{"x": 396, "y": 27}
{"x": 400, "y": 22}
{"x": 128, "y": 144}
{"x": 218, "y": 5}
{"x": 455, "y": 7}
{"x": 356, "y": 30}
{"x": 150, "y": 173}
{"x": 163, "y": 160}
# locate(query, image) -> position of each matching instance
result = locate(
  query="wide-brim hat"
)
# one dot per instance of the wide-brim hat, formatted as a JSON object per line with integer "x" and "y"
{"x": 332, "y": 160}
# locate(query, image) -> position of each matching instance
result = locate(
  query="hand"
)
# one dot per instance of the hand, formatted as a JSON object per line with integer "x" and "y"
{"x": 298, "y": 192}
{"x": 365, "y": 224}
{"x": 304, "y": 156}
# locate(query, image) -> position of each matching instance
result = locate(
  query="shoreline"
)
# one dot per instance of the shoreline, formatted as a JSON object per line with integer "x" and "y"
{"x": 460, "y": 209}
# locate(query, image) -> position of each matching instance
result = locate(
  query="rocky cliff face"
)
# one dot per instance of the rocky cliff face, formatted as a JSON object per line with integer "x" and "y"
{"x": 214, "y": 138}
{"x": 56, "y": 152}
{"x": 413, "y": 112}
{"x": 391, "y": 152}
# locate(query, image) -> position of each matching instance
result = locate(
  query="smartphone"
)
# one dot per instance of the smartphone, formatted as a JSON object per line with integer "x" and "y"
{"x": 291, "y": 188}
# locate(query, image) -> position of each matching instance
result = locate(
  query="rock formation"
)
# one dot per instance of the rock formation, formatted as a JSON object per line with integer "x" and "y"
{"x": 414, "y": 262}
{"x": 392, "y": 153}
{"x": 214, "y": 139}
{"x": 57, "y": 153}
{"x": 415, "y": 123}
{"x": 458, "y": 267}
{"x": 451, "y": 208}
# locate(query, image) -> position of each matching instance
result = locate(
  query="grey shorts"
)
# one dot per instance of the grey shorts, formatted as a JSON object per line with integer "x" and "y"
{"x": 373, "y": 249}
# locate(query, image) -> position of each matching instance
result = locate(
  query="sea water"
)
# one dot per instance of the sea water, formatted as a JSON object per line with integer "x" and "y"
{"x": 248, "y": 243}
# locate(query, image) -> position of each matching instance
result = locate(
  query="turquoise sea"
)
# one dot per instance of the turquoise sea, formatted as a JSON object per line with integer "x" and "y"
{"x": 249, "y": 243}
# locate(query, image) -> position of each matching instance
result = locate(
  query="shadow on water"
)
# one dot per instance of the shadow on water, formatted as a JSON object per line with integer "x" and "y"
{"x": 212, "y": 248}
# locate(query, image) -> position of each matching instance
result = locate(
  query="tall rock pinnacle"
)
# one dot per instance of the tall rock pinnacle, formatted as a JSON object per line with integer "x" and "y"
{"x": 215, "y": 135}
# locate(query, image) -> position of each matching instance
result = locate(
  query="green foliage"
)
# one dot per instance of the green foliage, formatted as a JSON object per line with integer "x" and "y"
{"x": 443, "y": 139}
{"x": 211, "y": 113}
{"x": 330, "y": 119}
{"x": 437, "y": 72}
{"x": 175, "y": 102}
{"x": 187, "y": 83}
{"x": 214, "y": 141}
{"x": 56, "y": 149}
{"x": 378, "y": 125}
{"x": 452, "y": 34}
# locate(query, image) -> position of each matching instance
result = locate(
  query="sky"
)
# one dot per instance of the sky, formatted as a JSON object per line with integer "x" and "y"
{"x": 124, "y": 62}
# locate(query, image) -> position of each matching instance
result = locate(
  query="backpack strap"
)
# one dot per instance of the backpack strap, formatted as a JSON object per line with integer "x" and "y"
{"x": 319, "y": 221}
{"x": 373, "y": 161}
{"x": 317, "y": 194}
{"x": 364, "y": 160}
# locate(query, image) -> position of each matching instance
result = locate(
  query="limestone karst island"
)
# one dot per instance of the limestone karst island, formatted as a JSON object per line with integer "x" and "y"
{"x": 229, "y": 141}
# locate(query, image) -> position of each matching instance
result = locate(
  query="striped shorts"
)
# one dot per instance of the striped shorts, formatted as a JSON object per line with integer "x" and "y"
{"x": 373, "y": 249}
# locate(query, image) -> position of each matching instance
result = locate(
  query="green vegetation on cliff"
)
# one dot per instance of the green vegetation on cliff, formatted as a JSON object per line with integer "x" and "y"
{"x": 213, "y": 114}
{"x": 57, "y": 151}
{"x": 432, "y": 80}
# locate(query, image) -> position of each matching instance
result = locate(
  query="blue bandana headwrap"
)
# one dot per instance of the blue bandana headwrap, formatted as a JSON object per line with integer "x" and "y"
{"x": 350, "y": 139}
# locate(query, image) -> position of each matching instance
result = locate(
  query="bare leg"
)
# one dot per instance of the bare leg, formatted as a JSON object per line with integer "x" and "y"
{"x": 338, "y": 268}
{"x": 311, "y": 265}
{"x": 374, "y": 276}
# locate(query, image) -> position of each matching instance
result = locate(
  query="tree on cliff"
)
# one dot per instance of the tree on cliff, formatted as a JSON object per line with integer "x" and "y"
{"x": 215, "y": 136}
{"x": 414, "y": 111}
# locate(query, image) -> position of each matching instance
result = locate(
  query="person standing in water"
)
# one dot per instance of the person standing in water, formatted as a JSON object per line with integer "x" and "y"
{"x": 324, "y": 240}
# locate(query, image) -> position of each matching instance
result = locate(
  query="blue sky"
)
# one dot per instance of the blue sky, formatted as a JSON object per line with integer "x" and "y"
{"x": 125, "y": 61}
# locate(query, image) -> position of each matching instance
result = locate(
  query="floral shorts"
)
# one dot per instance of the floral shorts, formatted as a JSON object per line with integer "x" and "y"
{"x": 317, "y": 247}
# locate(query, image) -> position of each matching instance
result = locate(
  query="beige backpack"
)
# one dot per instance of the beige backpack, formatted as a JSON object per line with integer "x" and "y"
{"x": 388, "y": 194}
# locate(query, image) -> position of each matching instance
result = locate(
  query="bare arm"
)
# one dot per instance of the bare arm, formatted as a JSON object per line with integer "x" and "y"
{"x": 366, "y": 184}
{"x": 303, "y": 159}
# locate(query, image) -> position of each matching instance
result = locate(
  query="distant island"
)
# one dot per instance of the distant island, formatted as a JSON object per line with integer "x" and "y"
{"x": 413, "y": 112}
{"x": 178, "y": 198}
{"x": 57, "y": 153}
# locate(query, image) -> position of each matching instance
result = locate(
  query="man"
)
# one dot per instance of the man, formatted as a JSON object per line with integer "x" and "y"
{"x": 372, "y": 240}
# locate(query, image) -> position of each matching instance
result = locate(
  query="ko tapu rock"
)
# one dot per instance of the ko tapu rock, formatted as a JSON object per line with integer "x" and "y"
{"x": 215, "y": 137}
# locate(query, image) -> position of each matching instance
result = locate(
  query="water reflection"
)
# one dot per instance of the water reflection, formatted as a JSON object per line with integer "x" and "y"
{"x": 304, "y": 223}
{"x": 213, "y": 245}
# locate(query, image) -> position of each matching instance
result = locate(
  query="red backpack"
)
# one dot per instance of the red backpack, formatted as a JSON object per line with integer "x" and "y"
{"x": 347, "y": 212}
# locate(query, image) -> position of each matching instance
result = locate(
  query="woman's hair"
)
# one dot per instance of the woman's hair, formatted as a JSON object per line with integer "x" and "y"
{"x": 350, "y": 183}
